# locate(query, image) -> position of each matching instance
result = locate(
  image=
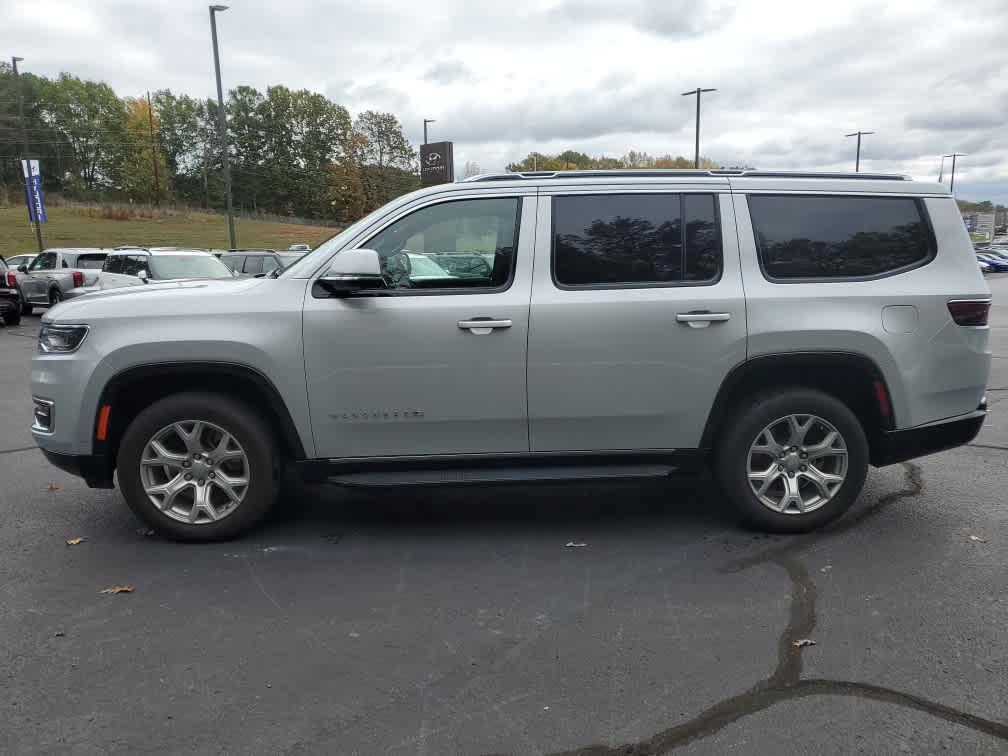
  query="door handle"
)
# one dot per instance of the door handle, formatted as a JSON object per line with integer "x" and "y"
{"x": 702, "y": 318}
{"x": 483, "y": 326}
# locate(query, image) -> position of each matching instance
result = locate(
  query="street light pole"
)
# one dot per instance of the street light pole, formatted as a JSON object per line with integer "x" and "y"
{"x": 698, "y": 91}
{"x": 425, "y": 122}
{"x": 954, "y": 155}
{"x": 941, "y": 170}
{"x": 24, "y": 153}
{"x": 857, "y": 160}
{"x": 222, "y": 127}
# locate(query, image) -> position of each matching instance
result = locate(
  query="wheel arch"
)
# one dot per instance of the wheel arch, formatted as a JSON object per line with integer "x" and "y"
{"x": 133, "y": 389}
{"x": 852, "y": 377}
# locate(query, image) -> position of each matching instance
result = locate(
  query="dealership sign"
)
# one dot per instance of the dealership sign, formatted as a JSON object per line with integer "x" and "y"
{"x": 33, "y": 191}
{"x": 436, "y": 164}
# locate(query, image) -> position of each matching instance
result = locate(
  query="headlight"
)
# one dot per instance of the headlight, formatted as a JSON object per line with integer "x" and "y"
{"x": 61, "y": 339}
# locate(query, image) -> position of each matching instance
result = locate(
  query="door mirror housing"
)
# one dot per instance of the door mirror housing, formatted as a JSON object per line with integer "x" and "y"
{"x": 352, "y": 271}
{"x": 23, "y": 268}
{"x": 142, "y": 275}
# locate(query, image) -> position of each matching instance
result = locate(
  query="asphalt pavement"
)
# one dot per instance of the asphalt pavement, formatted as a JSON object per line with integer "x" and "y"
{"x": 459, "y": 621}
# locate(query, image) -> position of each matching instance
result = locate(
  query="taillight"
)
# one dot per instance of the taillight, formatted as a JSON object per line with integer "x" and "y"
{"x": 11, "y": 279}
{"x": 969, "y": 312}
{"x": 78, "y": 279}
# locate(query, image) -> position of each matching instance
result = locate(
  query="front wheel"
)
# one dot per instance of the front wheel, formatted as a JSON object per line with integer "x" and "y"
{"x": 12, "y": 317}
{"x": 793, "y": 460}
{"x": 198, "y": 467}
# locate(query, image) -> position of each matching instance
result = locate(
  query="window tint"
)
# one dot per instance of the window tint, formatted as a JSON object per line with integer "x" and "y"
{"x": 269, "y": 264}
{"x": 253, "y": 264}
{"x": 609, "y": 239}
{"x": 45, "y": 261}
{"x": 133, "y": 264}
{"x": 113, "y": 264}
{"x": 838, "y": 237}
{"x": 463, "y": 244}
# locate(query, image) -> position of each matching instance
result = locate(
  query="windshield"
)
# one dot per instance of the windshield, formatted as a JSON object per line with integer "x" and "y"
{"x": 187, "y": 266}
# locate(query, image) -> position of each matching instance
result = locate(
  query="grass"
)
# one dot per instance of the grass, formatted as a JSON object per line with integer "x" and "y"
{"x": 73, "y": 226}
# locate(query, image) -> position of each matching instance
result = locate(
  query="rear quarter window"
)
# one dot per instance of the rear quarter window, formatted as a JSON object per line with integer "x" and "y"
{"x": 838, "y": 237}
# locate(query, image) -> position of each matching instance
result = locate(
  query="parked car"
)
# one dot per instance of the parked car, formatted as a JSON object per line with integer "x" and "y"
{"x": 778, "y": 328}
{"x": 10, "y": 296}
{"x": 996, "y": 263}
{"x": 53, "y": 273}
{"x": 984, "y": 267}
{"x": 136, "y": 266}
{"x": 248, "y": 263}
{"x": 16, "y": 261}
{"x": 299, "y": 248}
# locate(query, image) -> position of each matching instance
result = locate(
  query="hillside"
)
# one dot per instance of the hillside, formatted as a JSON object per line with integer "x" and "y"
{"x": 71, "y": 226}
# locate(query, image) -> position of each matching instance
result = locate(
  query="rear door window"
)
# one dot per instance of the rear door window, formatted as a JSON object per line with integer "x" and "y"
{"x": 823, "y": 237}
{"x": 253, "y": 265}
{"x": 602, "y": 240}
{"x": 90, "y": 262}
{"x": 113, "y": 264}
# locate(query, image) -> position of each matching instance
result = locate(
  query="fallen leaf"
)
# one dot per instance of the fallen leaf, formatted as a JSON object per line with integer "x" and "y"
{"x": 803, "y": 642}
{"x": 118, "y": 589}
{"x": 52, "y": 487}
{"x": 978, "y": 539}
{"x": 75, "y": 541}
{"x": 59, "y": 633}
{"x": 573, "y": 545}
{"x": 545, "y": 708}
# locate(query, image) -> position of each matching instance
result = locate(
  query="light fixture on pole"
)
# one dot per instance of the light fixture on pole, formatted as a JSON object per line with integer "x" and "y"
{"x": 698, "y": 91}
{"x": 953, "y": 155}
{"x": 222, "y": 127}
{"x": 26, "y": 175}
{"x": 425, "y": 122}
{"x": 857, "y": 160}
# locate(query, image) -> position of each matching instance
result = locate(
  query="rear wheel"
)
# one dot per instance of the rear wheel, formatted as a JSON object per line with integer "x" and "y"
{"x": 12, "y": 317}
{"x": 55, "y": 297}
{"x": 198, "y": 467}
{"x": 793, "y": 461}
{"x": 26, "y": 309}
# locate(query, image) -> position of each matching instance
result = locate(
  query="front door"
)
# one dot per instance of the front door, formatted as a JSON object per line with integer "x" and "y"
{"x": 35, "y": 283}
{"x": 435, "y": 362}
{"x": 637, "y": 316}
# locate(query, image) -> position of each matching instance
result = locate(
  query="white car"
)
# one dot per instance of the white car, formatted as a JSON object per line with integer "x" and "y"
{"x": 136, "y": 266}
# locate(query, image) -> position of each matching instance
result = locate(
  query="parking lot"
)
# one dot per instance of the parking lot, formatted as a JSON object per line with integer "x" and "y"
{"x": 576, "y": 619}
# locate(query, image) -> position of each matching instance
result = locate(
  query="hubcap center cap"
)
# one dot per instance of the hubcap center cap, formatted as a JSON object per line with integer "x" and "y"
{"x": 791, "y": 461}
{"x": 200, "y": 468}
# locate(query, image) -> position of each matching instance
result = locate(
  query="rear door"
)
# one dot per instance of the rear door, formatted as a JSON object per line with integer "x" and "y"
{"x": 637, "y": 315}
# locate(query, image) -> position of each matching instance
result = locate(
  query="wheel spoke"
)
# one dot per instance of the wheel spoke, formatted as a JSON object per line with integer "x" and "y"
{"x": 227, "y": 485}
{"x": 765, "y": 478}
{"x": 161, "y": 455}
{"x": 767, "y": 444}
{"x": 826, "y": 448}
{"x": 792, "y": 495}
{"x": 822, "y": 480}
{"x": 221, "y": 452}
{"x": 799, "y": 429}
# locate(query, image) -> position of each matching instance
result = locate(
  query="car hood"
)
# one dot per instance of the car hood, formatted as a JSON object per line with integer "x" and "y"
{"x": 160, "y": 297}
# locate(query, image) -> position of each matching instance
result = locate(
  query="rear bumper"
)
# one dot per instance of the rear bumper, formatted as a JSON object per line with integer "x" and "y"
{"x": 901, "y": 445}
{"x": 95, "y": 469}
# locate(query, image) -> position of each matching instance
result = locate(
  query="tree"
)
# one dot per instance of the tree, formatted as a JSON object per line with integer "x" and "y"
{"x": 386, "y": 161}
{"x": 138, "y": 178}
{"x": 89, "y": 116}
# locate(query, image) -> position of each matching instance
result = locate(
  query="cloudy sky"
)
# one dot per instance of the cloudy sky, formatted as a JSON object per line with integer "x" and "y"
{"x": 599, "y": 76}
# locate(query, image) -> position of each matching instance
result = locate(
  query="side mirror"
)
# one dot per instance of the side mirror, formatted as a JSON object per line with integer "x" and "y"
{"x": 23, "y": 268}
{"x": 352, "y": 271}
{"x": 142, "y": 275}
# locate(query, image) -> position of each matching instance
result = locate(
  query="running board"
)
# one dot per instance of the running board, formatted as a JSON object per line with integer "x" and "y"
{"x": 518, "y": 474}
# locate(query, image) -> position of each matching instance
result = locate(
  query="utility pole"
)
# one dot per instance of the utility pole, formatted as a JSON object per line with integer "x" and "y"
{"x": 857, "y": 160}
{"x": 425, "y": 122}
{"x": 941, "y": 170}
{"x": 954, "y": 155}
{"x": 698, "y": 91}
{"x": 153, "y": 146}
{"x": 24, "y": 151}
{"x": 222, "y": 128}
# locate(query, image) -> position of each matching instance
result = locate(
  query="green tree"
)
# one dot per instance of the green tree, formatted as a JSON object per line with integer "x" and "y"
{"x": 138, "y": 178}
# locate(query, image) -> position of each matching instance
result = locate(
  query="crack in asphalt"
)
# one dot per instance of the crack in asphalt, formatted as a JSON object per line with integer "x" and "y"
{"x": 989, "y": 446}
{"x": 20, "y": 449}
{"x": 785, "y": 682}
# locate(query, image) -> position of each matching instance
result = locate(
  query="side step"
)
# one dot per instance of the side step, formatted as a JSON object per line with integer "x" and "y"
{"x": 520, "y": 474}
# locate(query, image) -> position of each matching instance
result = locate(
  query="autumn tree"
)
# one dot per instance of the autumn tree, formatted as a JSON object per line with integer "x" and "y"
{"x": 138, "y": 178}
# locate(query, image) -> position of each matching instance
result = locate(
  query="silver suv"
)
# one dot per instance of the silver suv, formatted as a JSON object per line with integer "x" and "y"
{"x": 785, "y": 330}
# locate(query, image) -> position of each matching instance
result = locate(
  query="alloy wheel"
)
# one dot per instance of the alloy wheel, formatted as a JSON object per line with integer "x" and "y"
{"x": 797, "y": 464}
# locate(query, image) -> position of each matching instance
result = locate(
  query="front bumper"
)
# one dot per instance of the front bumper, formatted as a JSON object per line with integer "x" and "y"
{"x": 95, "y": 469}
{"x": 901, "y": 445}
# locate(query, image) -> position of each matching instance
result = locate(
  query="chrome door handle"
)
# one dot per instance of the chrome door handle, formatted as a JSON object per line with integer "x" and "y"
{"x": 483, "y": 326}
{"x": 702, "y": 319}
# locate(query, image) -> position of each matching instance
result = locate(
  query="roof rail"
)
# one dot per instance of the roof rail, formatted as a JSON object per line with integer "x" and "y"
{"x": 681, "y": 173}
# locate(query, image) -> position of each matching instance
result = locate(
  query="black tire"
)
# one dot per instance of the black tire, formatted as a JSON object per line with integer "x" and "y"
{"x": 12, "y": 317}
{"x": 247, "y": 428}
{"x": 26, "y": 309}
{"x": 55, "y": 297}
{"x": 733, "y": 458}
